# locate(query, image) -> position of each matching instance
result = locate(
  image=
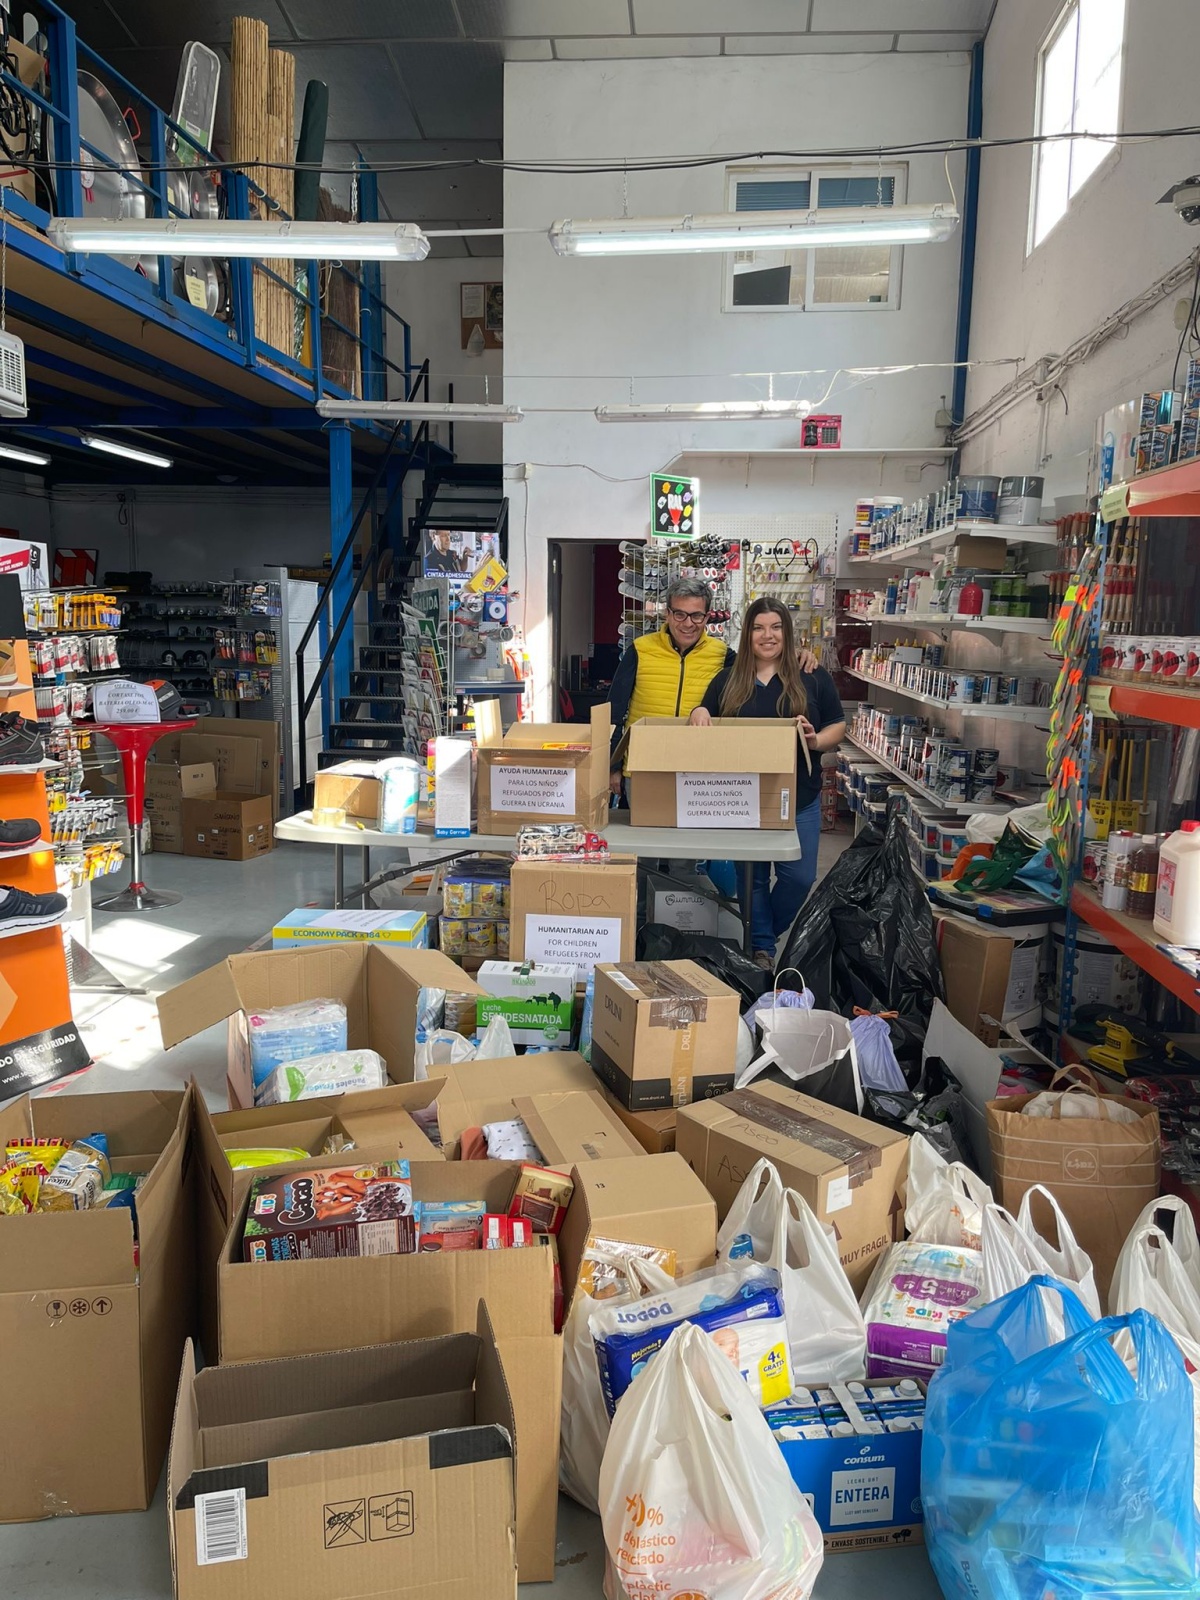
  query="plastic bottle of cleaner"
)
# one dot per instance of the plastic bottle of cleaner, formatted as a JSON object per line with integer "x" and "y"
{"x": 1177, "y": 902}
{"x": 970, "y": 601}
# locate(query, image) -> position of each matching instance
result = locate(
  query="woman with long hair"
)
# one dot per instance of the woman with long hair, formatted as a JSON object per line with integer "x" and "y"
{"x": 765, "y": 680}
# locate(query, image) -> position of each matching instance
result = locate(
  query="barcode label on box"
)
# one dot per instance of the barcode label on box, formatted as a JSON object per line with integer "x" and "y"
{"x": 221, "y": 1527}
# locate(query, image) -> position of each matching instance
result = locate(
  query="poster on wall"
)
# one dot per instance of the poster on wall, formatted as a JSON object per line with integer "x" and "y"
{"x": 481, "y": 314}
{"x": 674, "y": 506}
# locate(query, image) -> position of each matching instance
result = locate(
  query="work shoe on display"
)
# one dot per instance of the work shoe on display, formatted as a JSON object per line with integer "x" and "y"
{"x": 8, "y": 665}
{"x": 19, "y": 834}
{"x": 20, "y": 742}
{"x": 19, "y": 910}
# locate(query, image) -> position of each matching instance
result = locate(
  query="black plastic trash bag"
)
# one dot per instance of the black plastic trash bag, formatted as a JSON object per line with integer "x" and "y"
{"x": 865, "y": 937}
{"x": 658, "y": 942}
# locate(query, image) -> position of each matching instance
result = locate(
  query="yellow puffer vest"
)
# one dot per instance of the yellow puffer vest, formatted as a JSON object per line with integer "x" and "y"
{"x": 668, "y": 684}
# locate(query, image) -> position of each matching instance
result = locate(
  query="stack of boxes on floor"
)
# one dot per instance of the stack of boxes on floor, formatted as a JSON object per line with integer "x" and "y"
{"x": 213, "y": 791}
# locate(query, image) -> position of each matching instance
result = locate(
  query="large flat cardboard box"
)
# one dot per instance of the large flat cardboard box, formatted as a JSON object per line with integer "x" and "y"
{"x": 245, "y": 751}
{"x": 266, "y": 1309}
{"x": 541, "y": 771}
{"x": 740, "y": 772}
{"x": 92, "y": 1330}
{"x": 381, "y": 1474}
{"x": 663, "y": 1033}
{"x": 167, "y": 787}
{"x": 850, "y": 1171}
{"x": 990, "y": 976}
{"x": 379, "y": 1121}
{"x": 653, "y": 1130}
{"x": 227, "y": 827}
{"x": 350, "y": 786}
{"x": 475, "y": 1092}
{"x": 380, "y": 988}
{"x": 573, "y": 911}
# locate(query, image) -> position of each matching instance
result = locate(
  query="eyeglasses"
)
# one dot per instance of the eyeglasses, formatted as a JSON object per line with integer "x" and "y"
{"x": 694, "y": 619}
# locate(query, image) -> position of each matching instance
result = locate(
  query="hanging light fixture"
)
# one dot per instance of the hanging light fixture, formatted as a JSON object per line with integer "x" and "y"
{"x": 29, "y": 458}
{"x": 756, "y": 230}
{"x": 706, "y": 411}
{"x": 115, "y": 447}
{"x": 415, "y": 411}
{"x": 283, "y": 241}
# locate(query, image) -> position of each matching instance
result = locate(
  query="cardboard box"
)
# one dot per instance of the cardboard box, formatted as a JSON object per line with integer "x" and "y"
{"x": 350, "y": 786}
{"x": 92, "y": 1336}
{"x": 691, "y": 912}
{"x": 990, "y": 977}
{"x": 850, "y": 1171}
{"x": 167, "y": 787}
{"x": 475, "y": 1092}
{"x": 227, "y": 827}
{"x": 740, "y": 772}
{"x": 526, "y": 775}
{"x": 653, "y": 1130}
{"x": 312, "y": 925}
{"x": 245, "y": 751}
{"x": 579, "y": 912}
{"x": 537, "y": 1000}
{"x": 380, "y": 988}
{"x": 980, "y": 552}
{"x": 379, "y": 1121}
{"x": 663, "y": 1033}
{"x": 386, "y": 1473}
{"x": 453, "y": 776}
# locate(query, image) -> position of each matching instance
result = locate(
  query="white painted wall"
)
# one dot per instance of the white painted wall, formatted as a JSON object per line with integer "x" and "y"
{"x": 1113, "y": 242}
{"x": 577, "y": 331}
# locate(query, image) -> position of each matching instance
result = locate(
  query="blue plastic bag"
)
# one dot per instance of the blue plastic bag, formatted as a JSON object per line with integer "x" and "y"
{"x": 877, "y": 1064}
{"x": 1048, "y": 1469}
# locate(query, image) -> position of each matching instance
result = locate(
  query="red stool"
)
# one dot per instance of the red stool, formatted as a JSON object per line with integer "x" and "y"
{"x": 133, "y": 740}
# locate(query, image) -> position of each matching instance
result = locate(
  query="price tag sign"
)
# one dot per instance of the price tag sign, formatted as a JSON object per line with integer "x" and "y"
{"x": 1099, "y": 699}
{"x": 1114, "y": 502}
{"x": 125, "y": 701}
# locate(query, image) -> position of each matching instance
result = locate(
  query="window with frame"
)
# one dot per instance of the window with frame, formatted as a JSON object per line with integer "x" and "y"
{"x": 836, "y": 278}
{"x": 1078, "y": 91}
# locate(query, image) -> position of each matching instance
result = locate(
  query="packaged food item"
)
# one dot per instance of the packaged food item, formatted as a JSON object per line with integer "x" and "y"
{"x": 20, "y": 1187}
{"x": 294, "y": 1033}
{"x": 314, "y": 1077}
{"x": 481, "y": 937}
{"x": 601, "y": 1273}
{"x": 496, "y": 1231}
{"x": 240, "y": 1160}
{"x": 915, "y": 1293}
{"x": 331, "y": 1211}
{"x": 337, "y": 1144}
{"x": 511, "y": 1141}
{"x": 49, "y": 1152}
{"x": 78, "y": 1178}
{"x": 739, "y": 1306}
{"x": 448, "y": 1224}
{"x": 521, "y": 1234}
{"x": 452, "y": 936}
{"x": 487, "y": 899}
{"x": 119, "y": 1181}
{"x": 543, "y": 1197}
{"x": 457, "y": 898}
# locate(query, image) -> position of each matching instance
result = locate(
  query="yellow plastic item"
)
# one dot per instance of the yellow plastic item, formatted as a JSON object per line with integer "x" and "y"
{"x": 238, "y": 1159}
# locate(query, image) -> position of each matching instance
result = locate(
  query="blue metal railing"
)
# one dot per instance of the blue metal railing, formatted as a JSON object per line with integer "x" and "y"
{"x": 66, "y": 151}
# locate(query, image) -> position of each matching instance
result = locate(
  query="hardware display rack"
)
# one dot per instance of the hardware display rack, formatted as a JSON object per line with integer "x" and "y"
{"x": 452, "y": 652}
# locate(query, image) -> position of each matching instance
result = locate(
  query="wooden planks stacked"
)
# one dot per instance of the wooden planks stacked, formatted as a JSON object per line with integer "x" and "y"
{"x": 261, "y": 123}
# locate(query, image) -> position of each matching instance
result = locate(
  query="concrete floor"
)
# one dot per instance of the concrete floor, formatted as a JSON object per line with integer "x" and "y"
{"x": 225, "y": 908}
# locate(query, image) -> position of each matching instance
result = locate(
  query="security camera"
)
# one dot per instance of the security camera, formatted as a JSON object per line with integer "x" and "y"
{"x": 1185, "y": 197}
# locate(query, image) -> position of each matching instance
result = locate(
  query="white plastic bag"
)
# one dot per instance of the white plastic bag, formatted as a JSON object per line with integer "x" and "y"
{"x": 827, "y": 1340}
{"x": 1014, "y": 1251}
{"x": 695, "y": 1497}
{"x": 440, "y": 1048}
{"x": 585, "y": 1424}
{"x": 495, "y": 1042}
{"x": 800, "y": 1042}
{"x": 1079, "y": 1100}
{"x": 945, "y": 1199}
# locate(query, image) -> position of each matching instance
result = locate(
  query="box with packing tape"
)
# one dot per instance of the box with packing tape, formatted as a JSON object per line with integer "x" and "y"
{"x": 739, "y": 772}
{"x": 664, "y": 1033}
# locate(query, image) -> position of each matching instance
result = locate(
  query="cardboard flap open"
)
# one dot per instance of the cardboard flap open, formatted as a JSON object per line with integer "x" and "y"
{"x": 489, "y": 729}
{"x": 197, "y": 1003}
{"x": 493, "y": 1401}
{"x": 476, "y": 1092}
{"x": 183, "y": 1457}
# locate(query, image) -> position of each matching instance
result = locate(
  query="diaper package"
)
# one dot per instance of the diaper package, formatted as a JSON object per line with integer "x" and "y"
{"x": 336, "y": 1072}
{"x": 916, "y": 1291}
{"x": 292, "y": 1033}
{"x": 739, "y": 1306}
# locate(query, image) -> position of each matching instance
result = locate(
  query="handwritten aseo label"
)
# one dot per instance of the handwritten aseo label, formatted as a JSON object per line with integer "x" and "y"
{"x": 548, "y": 790}
{"x": 716, "y": 800}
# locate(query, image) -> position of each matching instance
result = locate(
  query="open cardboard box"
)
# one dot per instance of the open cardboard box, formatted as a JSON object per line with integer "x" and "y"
{"x": 92, "y": 1330}
{"x": 522, "y": 778}
{"x": 244, "y": 750}
{"x": 269, "y": 1309}
{"x": 739, "y": 772}
{"x": 380, "y": 988}
{"x": 378, "y": 1474}
{"x": 379, "y": 1121}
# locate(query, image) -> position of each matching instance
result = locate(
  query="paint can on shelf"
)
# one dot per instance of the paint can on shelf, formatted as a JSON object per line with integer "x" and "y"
{"x": 977, "y": 497}
{"x": 1019, "y": 503}
{"x": 1103, "y": 976}
{"x": 1114, "y": 889}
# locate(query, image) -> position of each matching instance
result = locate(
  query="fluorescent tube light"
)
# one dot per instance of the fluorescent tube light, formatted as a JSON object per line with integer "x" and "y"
{"x": 415, "y": 411}
{"x": 756, "y": 230}
{"x": 291, "y": 241}
{"x": 114, "y": 447}
{"x": 31, "y": 458}
{"x": 707, "y": 411}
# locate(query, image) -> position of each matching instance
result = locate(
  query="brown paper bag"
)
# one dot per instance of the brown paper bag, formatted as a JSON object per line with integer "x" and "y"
{"x": 1101, "y": 1173}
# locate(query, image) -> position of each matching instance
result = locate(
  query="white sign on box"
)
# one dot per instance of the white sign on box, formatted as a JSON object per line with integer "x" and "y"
{"x": 583, "y": 940}
{"x": 547, "y": 790}
{"x": 716, "y": 800}
{"x": 121, "y": 700}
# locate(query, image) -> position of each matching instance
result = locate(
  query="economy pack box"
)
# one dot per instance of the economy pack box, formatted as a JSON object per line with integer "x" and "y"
{"x": 381, "y": 989}
{"x": 379, "y": 1122}
{"x": 850, "y": 1171}
{"x": 379, "y": 1474}
{"x": 582, "y": 912}
{"x": 227, "y": 827}
{"x": 536, "y": 999}
{"x": 350, "y": 786}
{"x": 310, "y": 925}
{"x": 167, "y": 787}
{"x": 93, "y": 1316}
{"x": 663, "y": 1033}
{"x": 739, "y": 772}
{"x": 554, "y": 1094}
{"x": 542, "y": 771}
